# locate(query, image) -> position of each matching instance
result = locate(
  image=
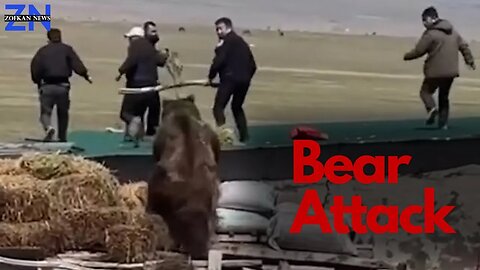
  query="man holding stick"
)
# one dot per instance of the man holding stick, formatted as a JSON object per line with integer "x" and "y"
{"x": 140, "y": 69}
{"x": 154, "y": 104}
{"x": 235, "y": 65}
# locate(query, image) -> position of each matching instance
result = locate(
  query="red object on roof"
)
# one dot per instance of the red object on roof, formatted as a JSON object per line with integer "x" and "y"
{"x": 307, "y": 133}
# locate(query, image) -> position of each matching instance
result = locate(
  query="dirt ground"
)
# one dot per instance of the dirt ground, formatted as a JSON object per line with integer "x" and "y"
{"x": 303, "y": 77}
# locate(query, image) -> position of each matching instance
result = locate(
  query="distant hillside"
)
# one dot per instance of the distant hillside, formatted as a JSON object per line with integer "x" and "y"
{"x": 390, "y": 17}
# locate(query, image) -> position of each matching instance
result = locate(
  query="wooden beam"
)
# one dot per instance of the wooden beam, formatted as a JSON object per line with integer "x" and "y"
{"x": 241, "y": 238}
{"x": 160, "y": 88}
{"x": 23, "y": 253}
{"x": 258, "y": 251}
{"x": 297, "y": 267}
{"x": 283, "y": 265}
{"x": 214, "y": 260}
{"x": 230, "y": 263}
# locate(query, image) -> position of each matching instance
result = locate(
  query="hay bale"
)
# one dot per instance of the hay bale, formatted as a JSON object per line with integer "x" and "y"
{"x": 47, "y": 166}
{"x": 87, "y": 228}
{"x": 43, "y": 235}
{"x": 10, "y": 167}
{"x": 78, "y": 191}
{"x": 24, "y": 203}
{"x": 134, "y": 195}
{"x": 86, "y": 166}
{"x": 19, "y": 180}
{"x": 130, "y": 244}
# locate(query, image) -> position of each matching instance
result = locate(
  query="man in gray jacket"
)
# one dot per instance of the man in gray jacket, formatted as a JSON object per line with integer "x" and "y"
{"x": 442, "y": 43}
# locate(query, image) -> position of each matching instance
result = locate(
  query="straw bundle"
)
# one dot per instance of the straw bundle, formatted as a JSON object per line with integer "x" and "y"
{"x": 47, "y": 166}
{"x": 138, "y": 242}
{"x": 226, "y": 136}
{"x": 86, "y": 166}
{"x": 25, "y": 203}
{"x": 134, "y": 195}
{"x": 33, "y": 234}
{"x": 82, "y": 184}
{"x": 79, "y": 191}
{"x": 10, "y": 167}
{"x": 87, "y": 227}
{"x": 60, "y": 202}
{"x": 130, "y": 244}
{"x": 10, "y": 181}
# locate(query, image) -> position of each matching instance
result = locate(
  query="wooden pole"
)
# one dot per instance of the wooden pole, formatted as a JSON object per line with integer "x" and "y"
{"x": 160, "y": 88}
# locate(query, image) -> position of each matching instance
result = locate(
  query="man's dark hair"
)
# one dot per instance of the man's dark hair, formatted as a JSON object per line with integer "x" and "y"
{"x": 224, "y": 20}
{"x": 430, "y": 12}
{"x": 152, "y": 37}
{"x": 147, "y": 24}
{"x": 54, "y": 35}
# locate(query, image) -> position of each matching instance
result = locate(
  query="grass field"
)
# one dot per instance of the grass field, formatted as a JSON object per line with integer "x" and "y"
{"x": 303, "y": 77}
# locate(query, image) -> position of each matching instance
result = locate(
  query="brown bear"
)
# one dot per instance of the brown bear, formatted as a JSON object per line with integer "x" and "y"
{"x": 184, "y": 186}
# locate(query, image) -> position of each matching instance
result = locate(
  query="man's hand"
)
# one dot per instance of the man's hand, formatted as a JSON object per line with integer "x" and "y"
{"x": 118, "y": 77}
{"x": 209, "y": 82}
{"x": 166, "y": 51}
{"x": 472, "y": 66}
{"x": 88, "y": 79}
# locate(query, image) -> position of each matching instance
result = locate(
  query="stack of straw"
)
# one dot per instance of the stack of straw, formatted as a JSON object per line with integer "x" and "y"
{"x": 61, "y": 203}
{"x": 134, "y": 195}
{"x": 226, "y": 136}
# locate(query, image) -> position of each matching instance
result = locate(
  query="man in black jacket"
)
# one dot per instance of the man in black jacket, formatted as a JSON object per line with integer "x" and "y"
{"x": 51, "y": 67}
{"x": 154, "y": 105}
{"x": 235, "y": 65}
{"x": 140, "y": 69}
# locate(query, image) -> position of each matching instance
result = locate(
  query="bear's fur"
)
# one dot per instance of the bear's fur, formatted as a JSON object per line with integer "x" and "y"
{"x": 184, "y": 187}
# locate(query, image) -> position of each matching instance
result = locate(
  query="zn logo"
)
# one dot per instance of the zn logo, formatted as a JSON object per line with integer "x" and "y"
{"x": 32, "y": 17}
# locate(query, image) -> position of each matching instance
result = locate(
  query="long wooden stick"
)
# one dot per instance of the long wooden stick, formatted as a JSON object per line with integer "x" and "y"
{"x": 197, "y": 263}
{"x": 160, "y": 88}
{"x": 41, "y": 264}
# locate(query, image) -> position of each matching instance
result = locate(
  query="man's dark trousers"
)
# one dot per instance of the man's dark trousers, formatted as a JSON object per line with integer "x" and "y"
{"x": 153, "y": 115}
{"x": 429, "y": 87}
{"x": 133, "y": 105}
{"x": 237, "y": 91}
{"x": 58, "y": 95}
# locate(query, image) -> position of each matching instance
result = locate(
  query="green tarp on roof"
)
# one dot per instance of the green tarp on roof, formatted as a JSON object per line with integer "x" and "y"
{"x": 100, "y": 143}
